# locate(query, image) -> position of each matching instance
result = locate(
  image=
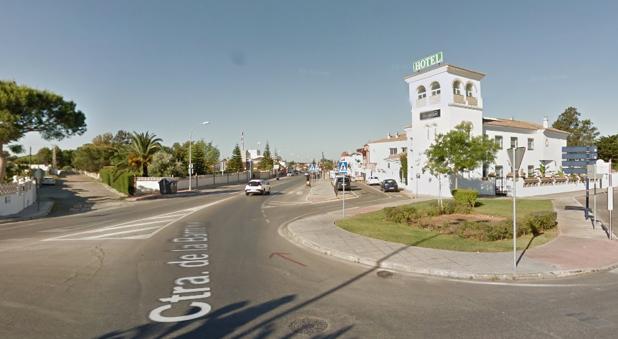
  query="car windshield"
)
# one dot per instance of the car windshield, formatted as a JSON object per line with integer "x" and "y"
{"x": 254, "y": 183}
{"x": 389, "y": 181}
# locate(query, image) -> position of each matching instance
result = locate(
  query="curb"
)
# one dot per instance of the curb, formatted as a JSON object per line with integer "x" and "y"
{"x": 298, "y": 240}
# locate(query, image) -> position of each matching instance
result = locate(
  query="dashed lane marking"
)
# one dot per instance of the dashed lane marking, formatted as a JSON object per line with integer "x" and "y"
{"x": 135, "y": 229}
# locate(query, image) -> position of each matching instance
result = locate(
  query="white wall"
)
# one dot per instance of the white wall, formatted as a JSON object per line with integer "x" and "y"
{"x": 14, "y": 197}
{"x": 151, "y": 184}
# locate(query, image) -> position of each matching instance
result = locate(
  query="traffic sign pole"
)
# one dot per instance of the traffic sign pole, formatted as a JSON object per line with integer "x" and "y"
{"x": 610, "y": 199}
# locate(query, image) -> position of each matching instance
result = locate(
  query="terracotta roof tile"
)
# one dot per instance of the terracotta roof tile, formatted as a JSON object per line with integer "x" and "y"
{"x": 401, "y": 137}
{"x": 518, "y": 124}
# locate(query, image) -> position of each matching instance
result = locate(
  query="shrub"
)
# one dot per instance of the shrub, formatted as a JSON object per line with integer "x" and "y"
{"x": 401, "y": 214}
{"x": 122, "y": 181}
{"x": 538, "y": 222}
{"x": 433, "y": 209}
{"x": 466, "y": 196}
{"x": 485, "y": 231}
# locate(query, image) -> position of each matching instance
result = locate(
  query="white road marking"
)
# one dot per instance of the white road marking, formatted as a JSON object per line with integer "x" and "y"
{"x": 132, "y": 230}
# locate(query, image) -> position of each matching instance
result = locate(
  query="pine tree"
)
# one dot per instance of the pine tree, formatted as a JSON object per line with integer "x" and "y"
{"x": 235, "y": 163}
{"x": 267, "y": 160}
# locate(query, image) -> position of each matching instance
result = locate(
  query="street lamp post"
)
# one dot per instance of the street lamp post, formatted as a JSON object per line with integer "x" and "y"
{"x": 190, "y": 151}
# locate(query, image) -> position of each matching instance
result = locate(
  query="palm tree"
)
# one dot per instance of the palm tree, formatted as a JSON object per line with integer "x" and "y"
{"x": 143, "y": 147}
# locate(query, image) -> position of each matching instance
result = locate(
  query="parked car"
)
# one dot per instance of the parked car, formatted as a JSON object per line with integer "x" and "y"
{"x": 373, "y": 181}
{"x": 257, "y": 186}
{"x": 389, "y": 185}
{"x": 340, "y": 181}
{"x": 48, "y": 181}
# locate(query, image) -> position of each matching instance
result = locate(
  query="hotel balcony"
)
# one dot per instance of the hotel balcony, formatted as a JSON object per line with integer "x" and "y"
{"x": 434, "y": 99}
{"x": 459, "y": 99}
{"x": 472, "y": 101}
{"x": 421, "y": 102}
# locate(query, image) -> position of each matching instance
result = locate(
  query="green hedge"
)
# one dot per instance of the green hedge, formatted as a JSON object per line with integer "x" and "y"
{"x": 120, "y": 180}
{"x": 466, "y": 196}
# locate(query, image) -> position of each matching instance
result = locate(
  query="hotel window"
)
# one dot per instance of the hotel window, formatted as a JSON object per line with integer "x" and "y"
{"x": 435, "y": 88}
{"x": 499, "y": 172}
{"x": 498, "y": 140}
{"x": 469, "y": 90}
{"x": 530, "y": 170}
{"x": 457, "y": 88}
{"x": 393, "y": 151}
{"x": 404, "y": 149}
{"x": 421, "y": 92}
{"x": 530, "y": 144}
{"x": 513, "y": 142}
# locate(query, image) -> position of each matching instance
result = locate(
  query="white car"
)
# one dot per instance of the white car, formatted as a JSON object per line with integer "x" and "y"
{"x": 373, "y": 181}
{"x": 48, "y": 181}
{"x": 257, "y": 186}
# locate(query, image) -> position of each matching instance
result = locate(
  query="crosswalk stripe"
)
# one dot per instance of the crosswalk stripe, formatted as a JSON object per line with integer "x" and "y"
{"x": 121, "y": 232}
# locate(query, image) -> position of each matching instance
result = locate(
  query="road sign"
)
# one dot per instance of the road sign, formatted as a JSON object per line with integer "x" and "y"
{"x": 343, "y": 167}
{"x": 577, "y": 158}
{"x": 519, "y": 156}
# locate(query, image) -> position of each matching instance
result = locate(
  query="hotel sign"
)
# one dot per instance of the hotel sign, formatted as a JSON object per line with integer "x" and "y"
{"x": 430, "y": 114}
{"x": 429, "y": 61}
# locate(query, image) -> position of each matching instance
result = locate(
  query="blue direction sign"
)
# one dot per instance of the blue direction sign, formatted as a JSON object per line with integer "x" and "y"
{"x": 576, "y": 159}
{"x": 343, "y": 167}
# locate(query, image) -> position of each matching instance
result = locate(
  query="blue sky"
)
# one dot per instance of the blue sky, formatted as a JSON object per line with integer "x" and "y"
{"x": 308, "y": 76}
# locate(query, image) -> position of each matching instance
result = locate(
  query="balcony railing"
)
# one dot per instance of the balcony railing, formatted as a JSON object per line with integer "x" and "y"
{"x": 421, "y": 102}
{"x": 472, "y": 101}
{"x": 434, "y": 99}
{"x": 459, "y": 99}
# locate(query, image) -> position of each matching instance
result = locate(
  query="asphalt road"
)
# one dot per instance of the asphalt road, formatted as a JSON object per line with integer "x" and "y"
{"x": 215, "y": 266}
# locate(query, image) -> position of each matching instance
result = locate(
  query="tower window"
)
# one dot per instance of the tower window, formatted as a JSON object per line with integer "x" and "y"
{"x": 469, "y": 90}
{"x": 421, "y": 92}
{"x": 513, "y": 142}
{"x": 457, "y": 87}
{"x": 435, "y": 88}
{"x": 530, "y": 144}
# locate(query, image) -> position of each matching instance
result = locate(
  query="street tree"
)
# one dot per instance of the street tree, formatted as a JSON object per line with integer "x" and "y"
{"x": 403, "y": 171}
{"x": 143, "y": 147}
{"x": 198, "y": 157}
{"x": 267, "y": 160}
{"x": 211, "y": 157}
{"x": 582, "y": 132}
{"x": 163, "y": 164}
{"x": 44, "y": 156}
{"x": 458, "y": 151}
{"x": 90, "y": 157}
{"x": 24, "y": 109}
{"x": 235, "y": 164}
{"x": 607, "y": 148}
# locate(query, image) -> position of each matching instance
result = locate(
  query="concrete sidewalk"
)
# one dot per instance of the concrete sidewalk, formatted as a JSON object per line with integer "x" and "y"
{"x": 577, "y": 249}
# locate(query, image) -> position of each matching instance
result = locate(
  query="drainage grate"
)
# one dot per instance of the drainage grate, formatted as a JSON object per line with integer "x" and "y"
{"x": 385, "y": 274}
{"x": 308, "y": 326}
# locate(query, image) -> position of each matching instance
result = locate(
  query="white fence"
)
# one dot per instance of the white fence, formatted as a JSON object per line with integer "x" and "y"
{"x": 14, "y": 197}
{"x": 528, "y": 188}
{"x": 151, "y": 184}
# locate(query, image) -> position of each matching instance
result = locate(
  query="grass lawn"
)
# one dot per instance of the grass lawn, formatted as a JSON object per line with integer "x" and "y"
{"x": 375, "y": 226}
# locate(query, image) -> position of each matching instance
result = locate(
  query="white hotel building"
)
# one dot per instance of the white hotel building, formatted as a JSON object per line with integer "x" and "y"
{"x": 444, "y": 96}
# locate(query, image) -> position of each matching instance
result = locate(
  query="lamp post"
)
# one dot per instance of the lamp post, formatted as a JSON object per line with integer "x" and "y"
{"x": 190, "y": 162}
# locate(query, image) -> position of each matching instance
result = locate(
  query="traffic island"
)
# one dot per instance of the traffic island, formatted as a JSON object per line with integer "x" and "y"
{"x": 562, "y": 257}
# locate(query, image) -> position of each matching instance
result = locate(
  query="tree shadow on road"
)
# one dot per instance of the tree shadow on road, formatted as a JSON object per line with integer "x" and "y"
{"x": 225, "y": 321}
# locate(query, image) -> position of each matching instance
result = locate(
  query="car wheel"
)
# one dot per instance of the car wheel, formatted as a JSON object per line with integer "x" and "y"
{"x": 246, "y": 193}
{"x": 268, "y": 193}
